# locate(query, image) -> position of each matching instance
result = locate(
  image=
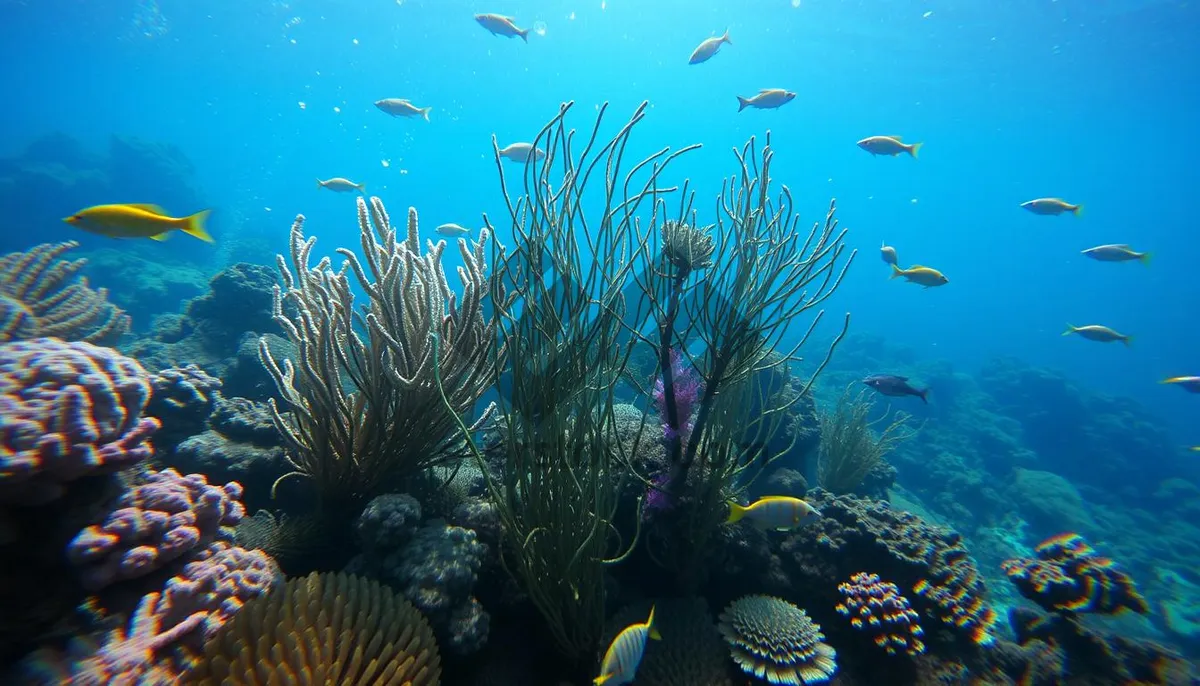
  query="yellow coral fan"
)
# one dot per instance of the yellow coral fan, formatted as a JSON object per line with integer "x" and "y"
{"x": 333, "y": 629}
{"x": 775, "y": 640}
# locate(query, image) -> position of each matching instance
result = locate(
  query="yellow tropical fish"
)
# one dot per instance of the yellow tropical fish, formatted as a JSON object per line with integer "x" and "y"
{"x": 134, "y": 220}
{"x": 624, "y": 654}
{"x": 779, "y": 512}
{"x": 925, "y": 276}
{"x": 1191, "y": 384}
{"x": 1098, "y": 333}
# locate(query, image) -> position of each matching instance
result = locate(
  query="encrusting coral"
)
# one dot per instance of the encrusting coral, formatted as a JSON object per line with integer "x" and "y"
{"x": 878, "y": 608}
{"x": 42, "y": 296}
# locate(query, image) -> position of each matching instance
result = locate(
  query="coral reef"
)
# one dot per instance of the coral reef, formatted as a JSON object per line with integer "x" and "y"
{"x": 43, "y": 296}
{"x": 182, "y": 401}
{"x": 69, "y": 410}
{"x": 323, "y": 629}
{"x": 775, "y": 640}
{"x": 878, "y": 608}
{"x": 388, "y": 523}
{"x": 1068, "y": 576}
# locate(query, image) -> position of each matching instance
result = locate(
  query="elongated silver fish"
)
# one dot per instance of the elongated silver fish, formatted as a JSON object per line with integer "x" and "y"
{"x": 1116, "y": 252}
{"x": 708, "y": 48}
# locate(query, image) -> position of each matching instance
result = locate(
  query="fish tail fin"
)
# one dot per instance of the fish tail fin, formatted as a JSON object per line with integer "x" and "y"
{"x": 319, "y": 184}
{"x": 742, "y": 103}
{"x": 725, "y": 37}
{"x": 194, "y": 226}
{"x": 1077, "y": 210}
{"x": 601, "y": 679}
{"x": 1127, "y": 340}
{"x": 736, "y": 512}
{"x": 425, "y": 112}
{"x": 524, "y": 35}
{"x": 914, "y": 149}
{"x": 1145, "y": 259}
{"x": 1070, "y": 330}
{"x": 923, "y": 394}
{"x": 896, "y": 271}
{"x": 650, "y": 628}
{"x": 362, "y": 188}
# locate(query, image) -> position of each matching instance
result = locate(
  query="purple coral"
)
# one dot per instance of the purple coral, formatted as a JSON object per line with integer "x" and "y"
{"x": 686, "y": 387}
{"x": 67, "y": 410}
{"x": 155, "y": 523}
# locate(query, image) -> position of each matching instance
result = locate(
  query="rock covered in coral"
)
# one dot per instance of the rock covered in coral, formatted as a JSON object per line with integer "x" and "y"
{"x": 878, "y": 608}
{"x": 182, "y": 400}
{"x": 1049, "y": 502}
{"x": 255, "y": 467}
{"x": 775, "y": 640}
{"x": 1069, "y": 576}
{"x": 785, "y": 481}
{"x": 154, "y": 524}
{"x": 68, "y": 410}
{"x": 388, "y": 523}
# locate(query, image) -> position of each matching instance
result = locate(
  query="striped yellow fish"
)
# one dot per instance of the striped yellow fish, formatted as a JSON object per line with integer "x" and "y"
{"x": 778, "y": 512}
{"x": 624, "y": 654}
{"x": 134, "y": 220}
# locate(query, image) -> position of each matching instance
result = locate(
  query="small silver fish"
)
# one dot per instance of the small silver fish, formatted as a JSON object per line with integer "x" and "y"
{"x": 1098, "y": 333}
{"x": 767, "y": 98}
{"x": 342, "y": 185}
{"x": 888, "y": 253}
{"x": 400, "y": 107}
{"x": 708, "y": 48}
{"x": 521, "y": 152}
{"x": 452, "y": 229}
{"x": 1052, "y": 206}
{"x": 888, "y": 145}
{"x": 501, "y": 25}
{"x": 1116, "y": 252}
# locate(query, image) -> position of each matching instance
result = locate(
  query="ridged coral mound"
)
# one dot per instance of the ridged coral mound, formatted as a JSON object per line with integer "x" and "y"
{"x": 329, "y": 629}
{"x": 775, "y": 640}
{"x": 878, "y": 608}
{"x": 1069, "y": 576}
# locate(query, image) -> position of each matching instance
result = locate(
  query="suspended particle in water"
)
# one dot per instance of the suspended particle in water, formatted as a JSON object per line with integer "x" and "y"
{"x": 539, "y": 27}
{"x": 927, "y": 14}
{"x": 337, "y": 110}
{"x": 303, "y": 105}
{"x": 355, "y": 41}
{"x": 795, "y": 3}
{"x": 571, "y": 17}
{"x": 385, "y": 163}
{"x": 603, "y": 5}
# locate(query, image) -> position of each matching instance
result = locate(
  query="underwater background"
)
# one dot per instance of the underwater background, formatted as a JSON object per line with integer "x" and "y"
{"x": 1026, "y": 435}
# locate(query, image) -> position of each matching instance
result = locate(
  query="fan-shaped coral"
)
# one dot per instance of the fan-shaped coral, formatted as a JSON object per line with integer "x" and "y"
{"x": 41, "y": 296}
{"x": 775, "y": 640}
{"x": 1068, "y": 576}
{"x": 333, "y": 629}
{"x": 690, "y": 653}
{"x": 878, "y": 608}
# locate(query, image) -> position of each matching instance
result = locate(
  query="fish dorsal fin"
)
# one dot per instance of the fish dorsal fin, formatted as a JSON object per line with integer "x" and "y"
{"x": 894, "y": 137}
{"x": 148, "y": 207}
{"x": 917, "y": 266}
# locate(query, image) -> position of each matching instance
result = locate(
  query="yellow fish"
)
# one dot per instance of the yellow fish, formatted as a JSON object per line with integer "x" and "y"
{"x": 888, "y": 145}
{"x": 136, "y": 220}
{"x": 1191, "y": 384}
{"x": 779, "y": 512}
{"x": 1101, "y": 334}
{"x": 925, "y": 276}
{"x": 624, "y": 654}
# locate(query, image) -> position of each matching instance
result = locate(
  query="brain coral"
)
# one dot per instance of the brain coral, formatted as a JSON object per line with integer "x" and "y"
{"x": 775, "y": 640}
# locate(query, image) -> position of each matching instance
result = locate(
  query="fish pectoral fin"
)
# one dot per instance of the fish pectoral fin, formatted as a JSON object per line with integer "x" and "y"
{"x": 654, "y": 634}
{"x": 161, "y": 236}
{"x": 149, "y": 207}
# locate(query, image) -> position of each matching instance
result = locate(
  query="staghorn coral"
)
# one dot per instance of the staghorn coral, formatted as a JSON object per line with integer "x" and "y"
{"x": 878, "y": 608}
{"x": 42, "y": 296}
{"x": 323, "y": 629}
{"x": 67, "y": 410}
{"x": 775, "y": 640}
{"x": 155, "y": 523}
{"x": 691, "y": 652}
{"x": 1068, "y": 576}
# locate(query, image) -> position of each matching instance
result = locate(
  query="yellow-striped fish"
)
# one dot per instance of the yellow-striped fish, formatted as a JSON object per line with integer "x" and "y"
{"x": 1191, "y": 384}
{"x": 624, "y": 654}
{"x": 136, "y": 220}
{"x": 779, "y": 512}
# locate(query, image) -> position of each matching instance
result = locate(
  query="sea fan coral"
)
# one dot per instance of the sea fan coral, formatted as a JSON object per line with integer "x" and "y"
{"x": 775, "y": 640}
{"x": 324, "y": 629}
{"x": 1068, "y": 576}
{"x": 878, "y": 608}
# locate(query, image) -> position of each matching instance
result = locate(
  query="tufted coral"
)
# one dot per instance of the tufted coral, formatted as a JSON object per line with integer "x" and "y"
{"x": 155, "y": 523}
{"x": 691, "y": 652}
{"x": 1068, "y": 576}
{"x": 323, "y": 629}
{"x": 775, "y": 640}
{"x": 168, "y": 629}
{"x": 878, "y": 608}
{"x": 41, "y": 296}
{"x": 67, "y": 410}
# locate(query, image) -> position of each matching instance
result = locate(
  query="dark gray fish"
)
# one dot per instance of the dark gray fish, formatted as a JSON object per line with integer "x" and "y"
{"x": 896, "y": 386}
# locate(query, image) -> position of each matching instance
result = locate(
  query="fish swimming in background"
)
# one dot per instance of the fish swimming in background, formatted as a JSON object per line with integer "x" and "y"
{"x": 452, "y": 229}
{"x": 708, "y": 48}
{"x": 888, "y": 145}
{"x": 138, "y": 220}
{"x": 501, "y": 25}
{"x": 1052, "y": 206}
{"x": 888, "y": 253}
{"x": 925, "y": 276}
{"x": 1095, "y": 332}
{"x": 400, "y": 107}
{"x": 778, "y": 512}
{"x": 624, "y": 654}
{"x": 521, "y": 152}
{"x": 1191, "y": 384}
{"x": 341, "y": 185}
{"x": 895, "y": 386}
{"x": 767, "y": 98}
{"x": 1116, "y": 252}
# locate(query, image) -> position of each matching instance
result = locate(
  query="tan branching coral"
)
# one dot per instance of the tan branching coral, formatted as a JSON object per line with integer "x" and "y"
{"x": 43, "y": 296}
{"x": 365, "y": 413}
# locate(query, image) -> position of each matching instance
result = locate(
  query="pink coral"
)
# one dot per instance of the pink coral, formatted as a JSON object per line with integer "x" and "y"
{"x": 67, "y": 410}
{"x": 687, "y": 389}
{"x": 155, "y": 523}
